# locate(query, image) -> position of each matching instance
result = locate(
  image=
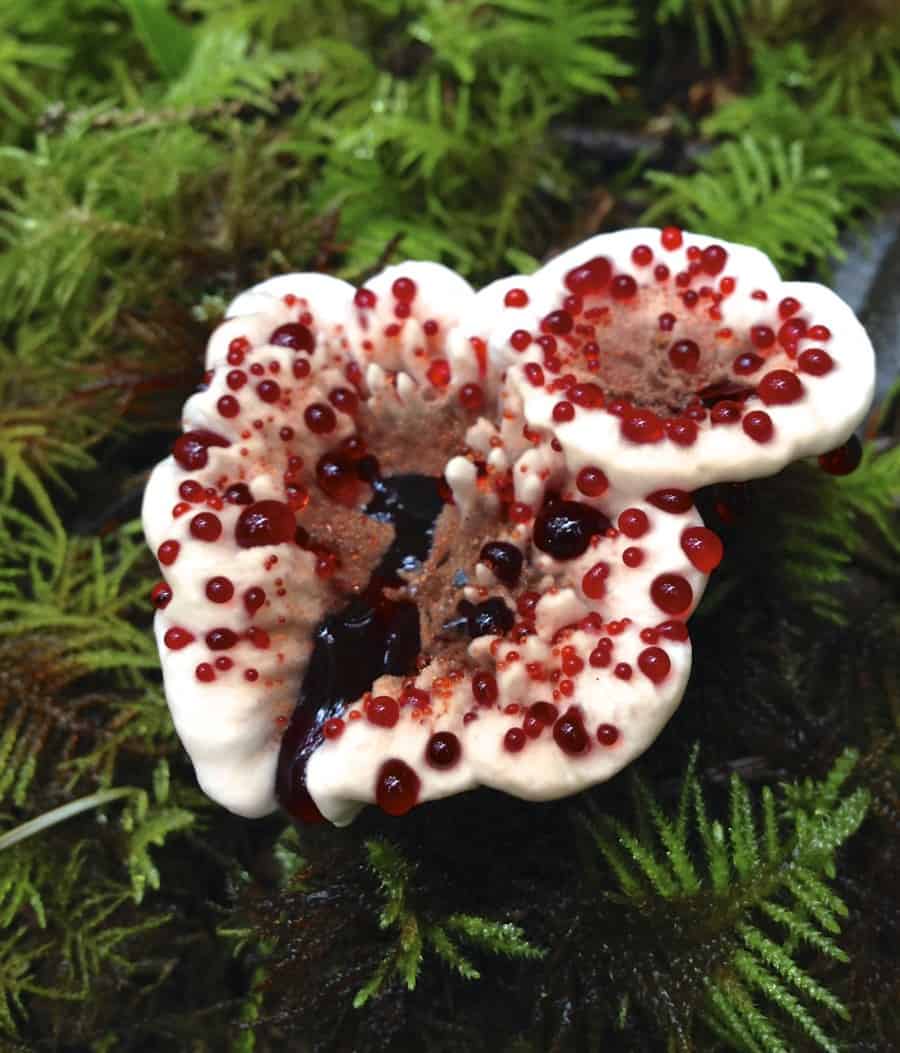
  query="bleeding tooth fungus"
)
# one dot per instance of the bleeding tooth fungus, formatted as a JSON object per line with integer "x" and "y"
{"x": 416, "y": 539}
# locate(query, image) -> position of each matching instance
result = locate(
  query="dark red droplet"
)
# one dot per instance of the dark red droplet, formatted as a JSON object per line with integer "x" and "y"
{"x": 843, "y": 460}
{"x": 471, "y": 397}
{"x": 295, "y": 336}
{"x": 219, "y": 590}
{"x": 747, "y": 363}
{"x": 319, "y": 418}
{"x": 569, "y": 733}
{"x": 671, "y": 593}
{"x": 816, "y": 361}
{"x": 206, "y": 527}
{"x": 504, "y": 559}
{"x": 254, "y": 598}
{"x": 623, "y": 287}
{"x": 365, "y": 299}
{"x": 443, "y": 750}
{"x": 514, "y": 740}
{"x": 685, "y": 355}
{"x": 654, "y": 663}
{"x": 161, "y": 596}
{"x": 189, "y": 450}
{"x": 563, "y": 529}
{"x": 228, "y": 406}
{"x": 642, "y": 255}
{"x": 758, "y": 425}
{"x": 338, "y": 478}
{"x": 383, "y": 711}
{"x": 238, "y": 494}
{"x": 607, "y": 734}
{"x": 167, "y": 552}
{"x": 269, "y": 390}
{"x": 780, "y": 387}
{"x": 592, "y": 482}
{"x": 633, "y": 523}
{"x": 713, "y": 259}
{"x": 671, "y": 500}
{"x": 484, "y": 688}
{"x": 176, "y": 638}
{"x": 702, "y": 547}
{"x": 404, "y": 289}
{"x": 265, "y": 523}
{"x": 396, "y": 787}
{"x": 589, "y": 277}
{"x": 642, "y": 426}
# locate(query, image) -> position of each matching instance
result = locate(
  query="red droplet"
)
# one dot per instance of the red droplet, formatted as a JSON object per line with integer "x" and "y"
{"x": 534, "y": 374}
{"x": 167, "y": 552}
{"x": 269, "y": 390}
{"x": 607, "y": 734}
{"x": 563, "y": 412}
{"x": 726, "y": 412}
{"x": 819, "y": 332}
{"x": 714, "y": 259}
{"x": 254, "y": 598}
{"x": 236, "y": 379}
{"x": 589, "y": 277}
{"x": 593, "y": 584}
{"x": 702, "y": 547}
{"x": 189, "y": 450}
{"x": 206, "y": 527}
{"x": 642, "y": 255}
{"x": 633, "y": 523}
{"x": 520, "y": 339}
{"x": 758, "y": 425}
{"x": 516, "y": 298}
{"x": 681, "y": 431}
{"x": 295, "y": 336}
{"x": 642, "y": 426}
{"x": 557, "y": 322}
{"x": 300, "y": 368}
{"x": 344, "y": 400}
{"x": 396, "y": 787}
{"x": 685, "y": 355}
{"x": 671, "y": 593}
{"x": 383, "y": 711}
{"x": 673, "y": 630}
{"x": 780, "y": 387}
{"x": 161, "y": 596}
{"x": 569, "y": 733}
{"x": 514, "y": 740}
{"x": 404, "y": 289}
{"x": 471, "y": 397}
{"x": 622, "y": 671}
{"x": 484, "y": 688}
{"x": 237, "y": 348}
{"x": 844, "y": 459}
{"x": 788, "y": 306}
{"x": 587, "y": 395}
{"x": 319, "y": 418}
{"x": 265, "y": 523}
{"x": 747, "y": 363}
{"x": 673, "y": 501}
{"x": 228, "y": 406}
{"x": 176, "y": 638}
{"x": 592, "y": 482}
{"x": 438, "y": 373}
{"x": 219, "y": 590}
{"x": 443, "y": 750}
{"x": 205, "y": 673}
{"x": 365, "y": 299}
{"x": 762, "y": 336}
{"x": 633, "y": 557}
{"x": 623, "y": 287}
{"x": 337, "y": 477}
{"x": 816, "y": 361}
{"x": 671, "y": 238}
{"x": 238, "y": 494}
{"x": 221, "y": 639}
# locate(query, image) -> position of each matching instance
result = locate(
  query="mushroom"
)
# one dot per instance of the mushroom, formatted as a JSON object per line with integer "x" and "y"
{"x": 417, "y": 539}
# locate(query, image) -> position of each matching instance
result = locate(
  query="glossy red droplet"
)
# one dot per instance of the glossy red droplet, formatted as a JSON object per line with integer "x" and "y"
{"x": 167, "y": 552}
{"x": 714, "y": 259}
{"x": 221, "y": 639}
{"x": 623, "y": 287}
{"x": 190, "y": 449}
{"x": 702, "y": 547}
{"x": 443, "y": 750}
{"x": 670, "y": 500}
{"x": 780, "y": 387}
{"x": 383, "y": 711}
{"x": 671, "y": 593}
{"x": 438, "y": 373}
{"x": 295, "y": 336}
{"x": 592, "y": 482}
{"x": 607, "y": 734}
{"x": 589, "y": 277}
{"x": 516, "y": 298}
{"x": 569, "y": 733}
{"x": 788, "y": 306}
{"x": 642, "y": 255}
{"x": 161, "y": 596}
{"x": 265, "y": 523}
{"x": 593, "y": 584}
{"x": 681, "y": 431}
{"x": 642, "y": 426}
{"x": 205, "y": 673}
{"x": 365, "y": 299}
{"x": 228, "y": 406}
{"x": 471, "y": 397}
{"x": 514, "y": 740}
{"x": 206, "y": 527}
{"x": 758, "y": 425}
{"x": 176, "y": 638}
{"x": 762, "y": 336}
{"x": 319, "y": 418}
{"x": 633, "y": 522}
{"x": 333, "y": 728}
{"x": 396, "y": 787}
{"x": 254, "y": 598}
{"x": 673, "y": 630}
{"x": 557, "y": 322}
{"x": 219, "y": 590}
{"x": 816, "y": 361}
{"x": 484, "y": 688}
{"x": 685, "y": 355}
{"x": 563, "y": 412}
{"x": 671, "y": 238}
{"x": 404, "y": 289}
